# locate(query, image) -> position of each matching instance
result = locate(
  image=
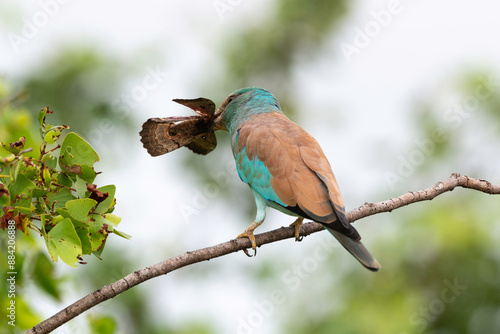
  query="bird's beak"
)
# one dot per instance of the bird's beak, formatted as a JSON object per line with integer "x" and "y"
{"x": 217, "y": 123}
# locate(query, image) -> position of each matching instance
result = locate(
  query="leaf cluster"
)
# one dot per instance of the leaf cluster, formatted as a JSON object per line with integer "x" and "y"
{"x": 53, "y": 194}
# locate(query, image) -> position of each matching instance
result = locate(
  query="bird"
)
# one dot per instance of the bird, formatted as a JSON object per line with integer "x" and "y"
{"x": 285, "y": 168}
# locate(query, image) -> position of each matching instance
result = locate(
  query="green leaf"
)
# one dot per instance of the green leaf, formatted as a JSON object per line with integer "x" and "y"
{"x": 47, "y": 177}
{"x": 81, "y": 151}
{"x": 44, "y": 275}
{"x": 98, "y": 253}
{"x": 122, "y": 234}
{"x": 62, "y": 179}
{"x": 50, "y": 161}
{"x": 15, "y": 171}
{"x": 48, "y": 223}
{"x": 31, "y": 172}
{"x": 66, "y": 158}
{"x": 4, "y": 201}
{"x": 82, "y": 229}
{"x": 54, "y": 133}
{"x": 21, "y": 201}
{"x": 51, "y": 137}
{"x": 99, "y": 230}
{"x": 14, "y": 147}
{"x": 51, "y": 247}
{"x": 113, "y": 219}
{"x": 84, "y": 236}
{"x": 39, "y": 192}
{"x": 66, "y": 242}
{"x": 60, "y": 198}
{"x": 81, "y": 187}
{"x": 108, "y": 202}
{"x": 87, "y": 173}
{"x": 21, "y": 186}
{"x": 79, "y": 208}
{"x": 41, "y": 118}
{"x": 7, "y": 161}
{"x": 63, "y": 212}
{"x": 43, "y": 219}
{"x": 24, "y": 210}
{"x": 77, "y": 157}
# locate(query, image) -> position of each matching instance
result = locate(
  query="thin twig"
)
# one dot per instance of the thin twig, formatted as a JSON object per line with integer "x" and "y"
{"x": 62, "y": 186}
{"x": 188, "y": 258}
{"x": 52, "y": 150}
{"x": 29, "y": 149}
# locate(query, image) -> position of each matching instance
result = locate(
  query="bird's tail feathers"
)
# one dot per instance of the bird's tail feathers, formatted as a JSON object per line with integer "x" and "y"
{"x": 357, "y": 249}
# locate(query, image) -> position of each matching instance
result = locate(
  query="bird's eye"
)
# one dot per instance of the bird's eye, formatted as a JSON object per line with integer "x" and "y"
{"x": 230, "y": 99}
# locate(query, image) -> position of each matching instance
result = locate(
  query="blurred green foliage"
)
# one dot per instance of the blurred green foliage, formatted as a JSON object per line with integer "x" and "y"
{"x": 444, "y": 131}
{"x": 102, "y": 325}
{"x": 266, "y": 53}
{"x": 79, "y": 83}
{"x": 482, "y": 86}
{"x": 31, "y": 260}
{"x": 134, "y": 313}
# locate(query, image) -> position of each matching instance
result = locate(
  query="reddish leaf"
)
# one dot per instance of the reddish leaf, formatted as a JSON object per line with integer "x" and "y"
{"x": 96, "y": 194}
{"x": 21, "y": 222}
{"x": 4, "y": 220}
{"x": 19, "y": 143}
{"x": 3, "y": 191}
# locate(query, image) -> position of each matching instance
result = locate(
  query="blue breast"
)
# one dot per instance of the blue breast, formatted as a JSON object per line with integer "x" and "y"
{"x": 257, "y": 175}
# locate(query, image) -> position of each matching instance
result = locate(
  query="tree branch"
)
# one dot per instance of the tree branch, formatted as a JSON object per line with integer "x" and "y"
{"x": 205, "y": 254}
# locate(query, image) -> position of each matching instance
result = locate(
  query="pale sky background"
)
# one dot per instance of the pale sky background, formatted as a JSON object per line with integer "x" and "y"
{"x": 364, "y": 104}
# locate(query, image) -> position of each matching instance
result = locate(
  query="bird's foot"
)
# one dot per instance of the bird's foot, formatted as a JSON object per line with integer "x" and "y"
{"x": 297, "y": 224}
{"x": 249, "y": 234}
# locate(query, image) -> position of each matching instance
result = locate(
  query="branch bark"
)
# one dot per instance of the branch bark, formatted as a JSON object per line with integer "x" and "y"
{"x": 205, "y": 254}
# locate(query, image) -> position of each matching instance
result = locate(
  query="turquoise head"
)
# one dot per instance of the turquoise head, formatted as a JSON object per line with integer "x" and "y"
{"x": 243, "y": 104}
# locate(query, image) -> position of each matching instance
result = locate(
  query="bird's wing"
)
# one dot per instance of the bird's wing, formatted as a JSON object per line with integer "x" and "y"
{"x": 285, "y": 164}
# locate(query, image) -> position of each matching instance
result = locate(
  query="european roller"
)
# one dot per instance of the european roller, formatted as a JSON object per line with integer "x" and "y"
{"x": 285, "y": 168}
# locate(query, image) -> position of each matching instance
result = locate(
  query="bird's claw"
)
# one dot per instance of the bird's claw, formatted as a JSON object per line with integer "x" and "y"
{"x": 297, "y": 224}
{"x": 248, "y": 254}
{"x": 249, "y": 234}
